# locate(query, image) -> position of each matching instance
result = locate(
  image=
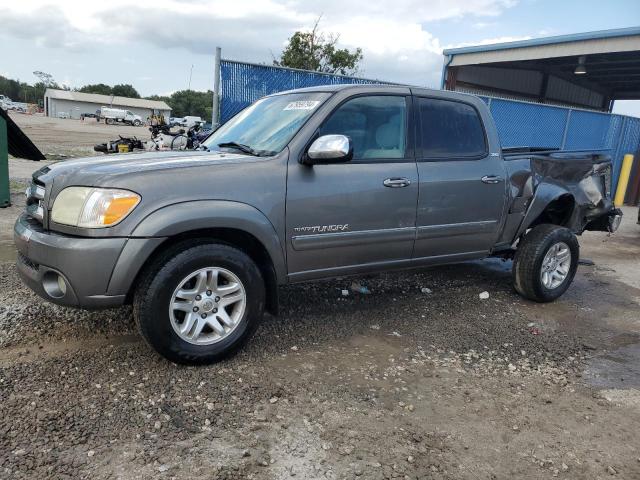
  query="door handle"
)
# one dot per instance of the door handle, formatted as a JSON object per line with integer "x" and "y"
{"x": 491, "y": 179}
{"x": 397, "y": 182}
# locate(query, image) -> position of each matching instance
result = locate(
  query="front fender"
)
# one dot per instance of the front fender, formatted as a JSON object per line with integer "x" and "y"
{"x": 183, "y": 217}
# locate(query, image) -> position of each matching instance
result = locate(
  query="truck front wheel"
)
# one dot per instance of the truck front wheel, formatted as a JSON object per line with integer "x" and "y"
{"x": 545, "y": 262}
{"x": 199, "y": 302}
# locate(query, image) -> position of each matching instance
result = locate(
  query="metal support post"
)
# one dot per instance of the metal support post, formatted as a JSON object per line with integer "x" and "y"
{"x": 215, "y": 112}
{"x": 5, "y": 194}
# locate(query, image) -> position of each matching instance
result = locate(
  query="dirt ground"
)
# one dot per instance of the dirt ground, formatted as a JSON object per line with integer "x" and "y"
{"x": 401, "y": 383}
{"x": 59, "y": 138}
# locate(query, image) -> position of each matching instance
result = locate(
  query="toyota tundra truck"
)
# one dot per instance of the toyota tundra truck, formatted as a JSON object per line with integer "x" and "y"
{"x": 303, "y": 185}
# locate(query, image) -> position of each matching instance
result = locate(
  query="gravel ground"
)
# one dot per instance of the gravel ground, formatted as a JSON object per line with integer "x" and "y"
{"x": 421, "y": 378}
{"x": 59, "y": 138}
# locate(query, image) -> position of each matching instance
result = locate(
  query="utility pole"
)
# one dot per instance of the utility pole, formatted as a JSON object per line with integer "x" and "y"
{"x": 215, "y": 112}
{"x": 190, "y": 75}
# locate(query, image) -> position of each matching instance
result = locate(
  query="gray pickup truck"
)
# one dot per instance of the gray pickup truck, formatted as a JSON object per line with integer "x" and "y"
{"x": 303, "y": 185}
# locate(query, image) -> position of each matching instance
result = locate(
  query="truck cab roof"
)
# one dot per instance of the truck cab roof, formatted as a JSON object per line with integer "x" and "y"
{"x": 382, "y": 88}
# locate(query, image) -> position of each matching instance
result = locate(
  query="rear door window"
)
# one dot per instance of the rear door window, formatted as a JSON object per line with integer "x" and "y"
{"x": 450, "y": 129}
{"x": 376, "y": 125}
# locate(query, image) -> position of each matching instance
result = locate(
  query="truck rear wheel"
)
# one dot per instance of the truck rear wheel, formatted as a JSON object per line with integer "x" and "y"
{"x": 545, "y": 262}
{"x": 199, "y": 302}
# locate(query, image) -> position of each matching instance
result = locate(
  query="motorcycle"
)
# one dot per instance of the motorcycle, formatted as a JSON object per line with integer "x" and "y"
{"x": 162, "y": 138}
{"x": 121, "y": 145}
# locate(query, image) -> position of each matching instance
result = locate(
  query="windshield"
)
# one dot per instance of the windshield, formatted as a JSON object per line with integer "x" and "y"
{"x": 267, "y": 125}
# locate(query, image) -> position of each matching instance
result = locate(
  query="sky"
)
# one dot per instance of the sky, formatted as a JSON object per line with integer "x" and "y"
{"x": 154, "y": 44}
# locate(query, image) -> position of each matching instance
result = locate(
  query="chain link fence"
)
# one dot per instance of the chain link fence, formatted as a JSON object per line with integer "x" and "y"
{"x": 520, "y": 124}
{"x": 244, "y": 83}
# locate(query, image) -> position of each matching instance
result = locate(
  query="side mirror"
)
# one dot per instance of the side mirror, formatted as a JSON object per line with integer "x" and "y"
{"x": 329, "y": 149}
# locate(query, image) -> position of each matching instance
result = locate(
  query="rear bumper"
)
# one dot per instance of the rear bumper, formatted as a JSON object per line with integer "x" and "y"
{"x": 606, "y": 222}
{"x": 615, "y": 218}
{"x": 67, "y": 270}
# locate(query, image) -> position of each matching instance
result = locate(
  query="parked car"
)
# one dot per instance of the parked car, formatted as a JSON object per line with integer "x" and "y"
{"x": 303, "y": 185}
{"x": 90, "y": 115}
{"x": 15, "y": 106}
{"x": 5, "y": 102}
{"x": 118, "y": 115}
{"x": 190, "y": 121}
{"x": 8, "y": 104}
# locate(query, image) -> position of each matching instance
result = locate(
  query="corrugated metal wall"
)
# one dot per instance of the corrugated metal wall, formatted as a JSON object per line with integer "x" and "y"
{"x": 244, "y": 83}
{"x": 499, "y": 82}
{"x": 524, "y": 124}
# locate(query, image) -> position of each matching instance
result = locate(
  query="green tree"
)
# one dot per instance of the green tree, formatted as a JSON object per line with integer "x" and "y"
{"x": 125, "y": 90}
{"x": 319, "y": 52}
{"x": 100, "y": 88}
{"x": 11, "y": 88}
{"x": 188, "y": 102}
{"x": 23, "y": 92}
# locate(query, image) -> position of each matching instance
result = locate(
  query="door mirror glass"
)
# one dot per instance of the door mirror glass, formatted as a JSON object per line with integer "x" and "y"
{"x": 329, "y": 149}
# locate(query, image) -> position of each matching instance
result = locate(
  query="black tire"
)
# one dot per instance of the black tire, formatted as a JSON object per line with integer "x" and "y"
{"x": 161, "y": 278}
{"x": 136, "y": 123}
{"x": 527, "y": 264}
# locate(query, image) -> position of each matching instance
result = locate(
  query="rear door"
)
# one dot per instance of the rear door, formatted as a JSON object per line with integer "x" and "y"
{"x": 462, "y": 180}
{"x": 360, "y": 215}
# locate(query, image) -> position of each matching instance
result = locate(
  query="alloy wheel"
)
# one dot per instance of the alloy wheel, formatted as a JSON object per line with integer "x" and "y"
{"x": 207, "y": 305}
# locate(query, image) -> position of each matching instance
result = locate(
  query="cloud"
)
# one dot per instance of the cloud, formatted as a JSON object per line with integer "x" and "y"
{"x": 46, "y": 26}
{"x": 201, "y": 33}
{"x": 394, "y": 35}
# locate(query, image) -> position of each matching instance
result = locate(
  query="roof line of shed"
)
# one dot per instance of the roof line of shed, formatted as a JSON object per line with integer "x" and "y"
{"x": 535, "y": 42}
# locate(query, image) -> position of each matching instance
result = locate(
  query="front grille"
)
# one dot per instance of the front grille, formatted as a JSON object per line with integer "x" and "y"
{"x": 35, "y": 200}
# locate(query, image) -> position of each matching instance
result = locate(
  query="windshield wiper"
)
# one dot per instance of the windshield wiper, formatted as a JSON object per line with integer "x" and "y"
{"x": 241, "y": 147}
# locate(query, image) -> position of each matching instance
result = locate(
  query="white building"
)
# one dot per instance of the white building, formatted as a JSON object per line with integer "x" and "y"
{"x": 74, "y": 104}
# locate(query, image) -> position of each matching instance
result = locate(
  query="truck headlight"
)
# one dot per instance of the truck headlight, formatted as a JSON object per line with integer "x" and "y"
{"x": 89, "y": 207}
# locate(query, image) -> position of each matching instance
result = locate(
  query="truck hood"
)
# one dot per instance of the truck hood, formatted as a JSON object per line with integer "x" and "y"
{"x": 130, "y": 163}
{"x": 168, "y": 178}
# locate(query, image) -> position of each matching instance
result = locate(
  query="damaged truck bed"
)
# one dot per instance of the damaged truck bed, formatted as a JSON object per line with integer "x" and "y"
{"x": 573, "y": 190}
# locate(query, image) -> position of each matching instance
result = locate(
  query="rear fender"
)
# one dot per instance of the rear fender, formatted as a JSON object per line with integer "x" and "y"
{"x": 545, "y": 194}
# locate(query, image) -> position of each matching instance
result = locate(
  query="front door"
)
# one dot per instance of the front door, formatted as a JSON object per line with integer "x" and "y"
{"x": 361, "y": 215}
{"x": 462, "y": 182}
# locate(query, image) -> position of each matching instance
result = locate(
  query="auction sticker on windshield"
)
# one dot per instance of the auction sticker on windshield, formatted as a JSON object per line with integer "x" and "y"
{"x": 302, "y": 105}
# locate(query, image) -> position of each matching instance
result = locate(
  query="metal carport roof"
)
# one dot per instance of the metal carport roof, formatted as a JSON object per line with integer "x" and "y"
{"x": 546, "y": 70}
